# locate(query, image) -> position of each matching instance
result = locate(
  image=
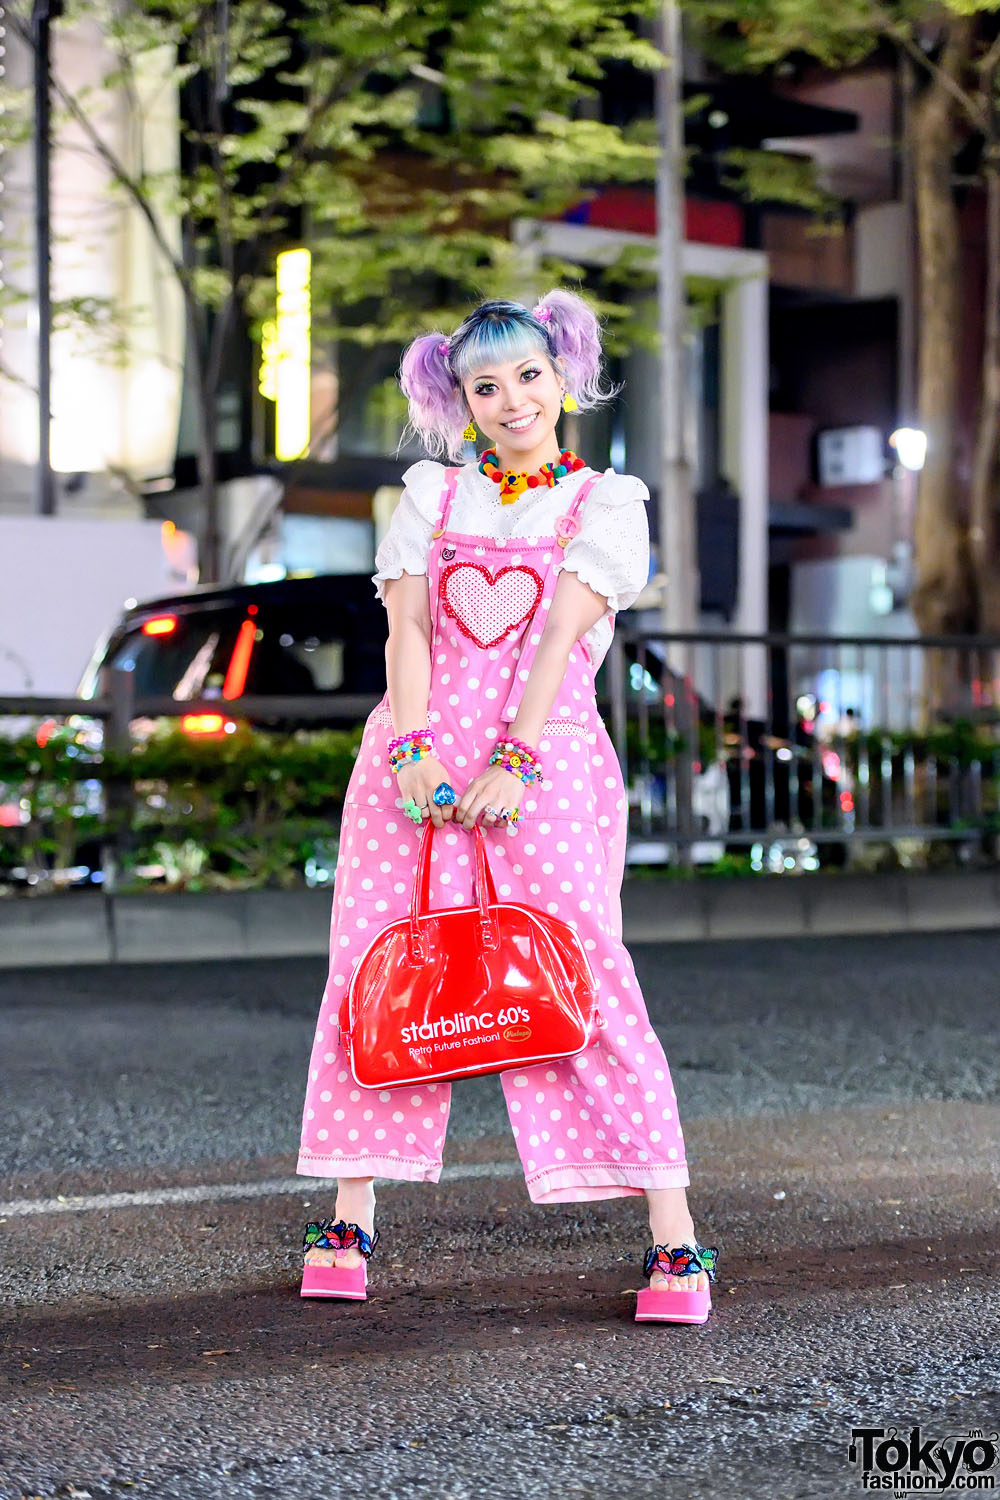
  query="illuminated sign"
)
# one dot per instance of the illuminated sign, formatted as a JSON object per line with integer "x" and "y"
{"x": 285, "y": 369}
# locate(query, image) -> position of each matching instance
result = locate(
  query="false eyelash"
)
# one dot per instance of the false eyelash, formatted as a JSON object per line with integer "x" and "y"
{"x": 533, "y": 370}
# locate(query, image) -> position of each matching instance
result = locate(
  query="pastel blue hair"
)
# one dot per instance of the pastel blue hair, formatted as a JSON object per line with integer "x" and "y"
{"x": 562, "y": 327}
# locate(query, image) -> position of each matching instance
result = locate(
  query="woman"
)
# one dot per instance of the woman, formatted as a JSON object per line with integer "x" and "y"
{"x": 501, "y": 580}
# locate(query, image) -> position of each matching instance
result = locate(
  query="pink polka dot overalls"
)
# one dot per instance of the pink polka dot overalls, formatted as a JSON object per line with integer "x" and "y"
{"x": 602, "y": 1124}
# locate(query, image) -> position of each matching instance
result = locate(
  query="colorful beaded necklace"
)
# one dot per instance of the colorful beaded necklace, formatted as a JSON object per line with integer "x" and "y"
{"x": 513, "y": 484}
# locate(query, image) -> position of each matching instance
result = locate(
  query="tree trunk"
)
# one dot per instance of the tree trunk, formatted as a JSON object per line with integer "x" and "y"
{"x": 984, "y": 491}
{"x": 210, "y": 541}
{"x": 942, "y": 599}
{"x": 199, "y": 365}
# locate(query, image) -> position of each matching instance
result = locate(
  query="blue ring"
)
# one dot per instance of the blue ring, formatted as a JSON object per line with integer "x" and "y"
{"x": 444, "y": 795}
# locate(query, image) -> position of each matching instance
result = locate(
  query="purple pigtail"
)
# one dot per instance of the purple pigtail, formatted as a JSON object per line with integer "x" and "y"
{"x": 575, "y": 336}
{"x": 437, "y": 406}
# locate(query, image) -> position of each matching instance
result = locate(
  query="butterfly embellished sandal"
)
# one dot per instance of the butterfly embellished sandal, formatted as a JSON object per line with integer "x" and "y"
{"x": 671, "y": 1304}
{"x": 337, "y": 1281}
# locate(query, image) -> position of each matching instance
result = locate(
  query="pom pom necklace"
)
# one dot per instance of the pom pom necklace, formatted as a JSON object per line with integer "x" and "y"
{"x": 513, "y": 484}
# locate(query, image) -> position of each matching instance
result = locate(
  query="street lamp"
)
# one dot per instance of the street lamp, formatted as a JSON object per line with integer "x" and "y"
{"x": 911, "y": 447}
{"x": 42, "y": 13}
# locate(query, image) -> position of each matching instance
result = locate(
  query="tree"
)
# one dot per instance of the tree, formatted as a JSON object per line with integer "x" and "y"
{"x": 400, "y": 139}
{"x": 953, "y": 48}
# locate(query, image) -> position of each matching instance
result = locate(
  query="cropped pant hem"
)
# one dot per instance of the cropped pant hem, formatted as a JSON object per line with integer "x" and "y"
{"x": 369, "y": 1164}
{"x": 584, "y": 1182}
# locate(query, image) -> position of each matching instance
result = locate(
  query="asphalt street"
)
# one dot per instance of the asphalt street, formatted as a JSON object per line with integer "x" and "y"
{"x": 841, "y": 1105}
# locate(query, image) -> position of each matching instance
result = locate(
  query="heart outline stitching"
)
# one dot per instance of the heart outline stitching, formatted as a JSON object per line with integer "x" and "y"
{"x": 492, "y": 579}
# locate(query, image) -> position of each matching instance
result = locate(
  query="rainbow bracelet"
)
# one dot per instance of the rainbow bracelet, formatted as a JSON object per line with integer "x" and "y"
{"x": 517, "y": 758}
{"x": 405, "y": 749}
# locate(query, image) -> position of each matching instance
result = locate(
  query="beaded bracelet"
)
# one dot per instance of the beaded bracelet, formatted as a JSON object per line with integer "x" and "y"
{"x": 517, "y": 758}
{"x": 405, "y": 749}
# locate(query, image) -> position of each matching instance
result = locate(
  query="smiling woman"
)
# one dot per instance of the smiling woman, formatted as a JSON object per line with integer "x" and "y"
{"x": 501, "y": 580}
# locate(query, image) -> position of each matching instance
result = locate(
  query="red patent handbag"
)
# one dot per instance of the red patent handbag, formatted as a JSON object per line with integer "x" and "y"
{"x": 467, "y": 990}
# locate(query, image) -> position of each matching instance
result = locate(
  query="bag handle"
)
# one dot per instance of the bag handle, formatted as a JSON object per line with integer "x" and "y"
{"x": 485, "y": 895}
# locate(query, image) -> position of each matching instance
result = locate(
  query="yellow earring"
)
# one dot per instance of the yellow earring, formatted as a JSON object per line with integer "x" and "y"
{"x": 470, "y": 432}
{"x": 569, "y": 402}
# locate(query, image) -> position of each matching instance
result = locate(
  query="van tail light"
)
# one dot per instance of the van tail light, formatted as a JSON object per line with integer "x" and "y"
{"x": 160, "y": 625}
{"x": 239, "y": 662}
{"x": 205, "y": 723}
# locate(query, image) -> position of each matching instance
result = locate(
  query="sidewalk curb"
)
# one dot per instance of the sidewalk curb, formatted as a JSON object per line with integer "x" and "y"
{"x": 86, "y": 927}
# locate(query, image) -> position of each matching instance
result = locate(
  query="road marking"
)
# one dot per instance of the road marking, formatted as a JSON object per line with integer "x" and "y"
{"x": 206, "y": 1192}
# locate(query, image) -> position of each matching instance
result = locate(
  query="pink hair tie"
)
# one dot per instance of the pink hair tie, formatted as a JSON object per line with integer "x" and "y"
{"x": 543, "y": 313}
{"x": 444, "y": 348}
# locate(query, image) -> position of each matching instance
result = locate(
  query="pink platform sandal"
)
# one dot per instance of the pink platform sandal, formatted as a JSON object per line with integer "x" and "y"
{"x": 337, "y": 1281}
{"x": 666, "y": 1304}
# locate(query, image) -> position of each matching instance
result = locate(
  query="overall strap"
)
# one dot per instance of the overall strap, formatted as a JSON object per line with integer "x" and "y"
{"x": 447, "y": 496}
{"x": 583, "y": 492}
{"x": 527, "y": 656}
{"x": 572, "y": 515}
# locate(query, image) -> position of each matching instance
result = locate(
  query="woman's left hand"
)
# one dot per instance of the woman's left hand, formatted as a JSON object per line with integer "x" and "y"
{"x": 494, "y": 788}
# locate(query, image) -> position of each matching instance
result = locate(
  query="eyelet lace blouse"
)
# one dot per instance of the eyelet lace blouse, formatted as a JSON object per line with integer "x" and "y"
{"x": 610, "y": 553}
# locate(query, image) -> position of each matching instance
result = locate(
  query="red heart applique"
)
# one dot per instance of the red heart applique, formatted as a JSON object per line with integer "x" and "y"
{"x": 485, "y": 606}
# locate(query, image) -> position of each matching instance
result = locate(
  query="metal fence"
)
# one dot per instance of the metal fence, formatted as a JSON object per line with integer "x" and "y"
{"x": 793, "y": 749}
{"x": 798, "y": 747}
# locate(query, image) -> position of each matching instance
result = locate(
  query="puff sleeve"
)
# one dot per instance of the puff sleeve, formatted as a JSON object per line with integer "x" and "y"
{"x": 406, "y": 545}
{"x": 611, "y": 550}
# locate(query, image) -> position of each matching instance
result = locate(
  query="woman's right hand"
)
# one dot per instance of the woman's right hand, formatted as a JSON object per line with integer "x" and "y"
{"x": 420, "y": 780}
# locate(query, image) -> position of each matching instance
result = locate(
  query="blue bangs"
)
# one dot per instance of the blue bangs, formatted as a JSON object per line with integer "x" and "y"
{"x": 495, "y": 334}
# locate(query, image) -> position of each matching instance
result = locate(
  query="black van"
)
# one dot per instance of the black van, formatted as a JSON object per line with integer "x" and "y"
{"x": 290, "y": 638}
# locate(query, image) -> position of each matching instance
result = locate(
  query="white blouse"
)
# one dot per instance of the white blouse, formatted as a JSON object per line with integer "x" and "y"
{"x": 610, "y": 551}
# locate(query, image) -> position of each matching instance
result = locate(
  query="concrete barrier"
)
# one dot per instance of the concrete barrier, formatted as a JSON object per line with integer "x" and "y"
{"x": 84, "y": 927}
